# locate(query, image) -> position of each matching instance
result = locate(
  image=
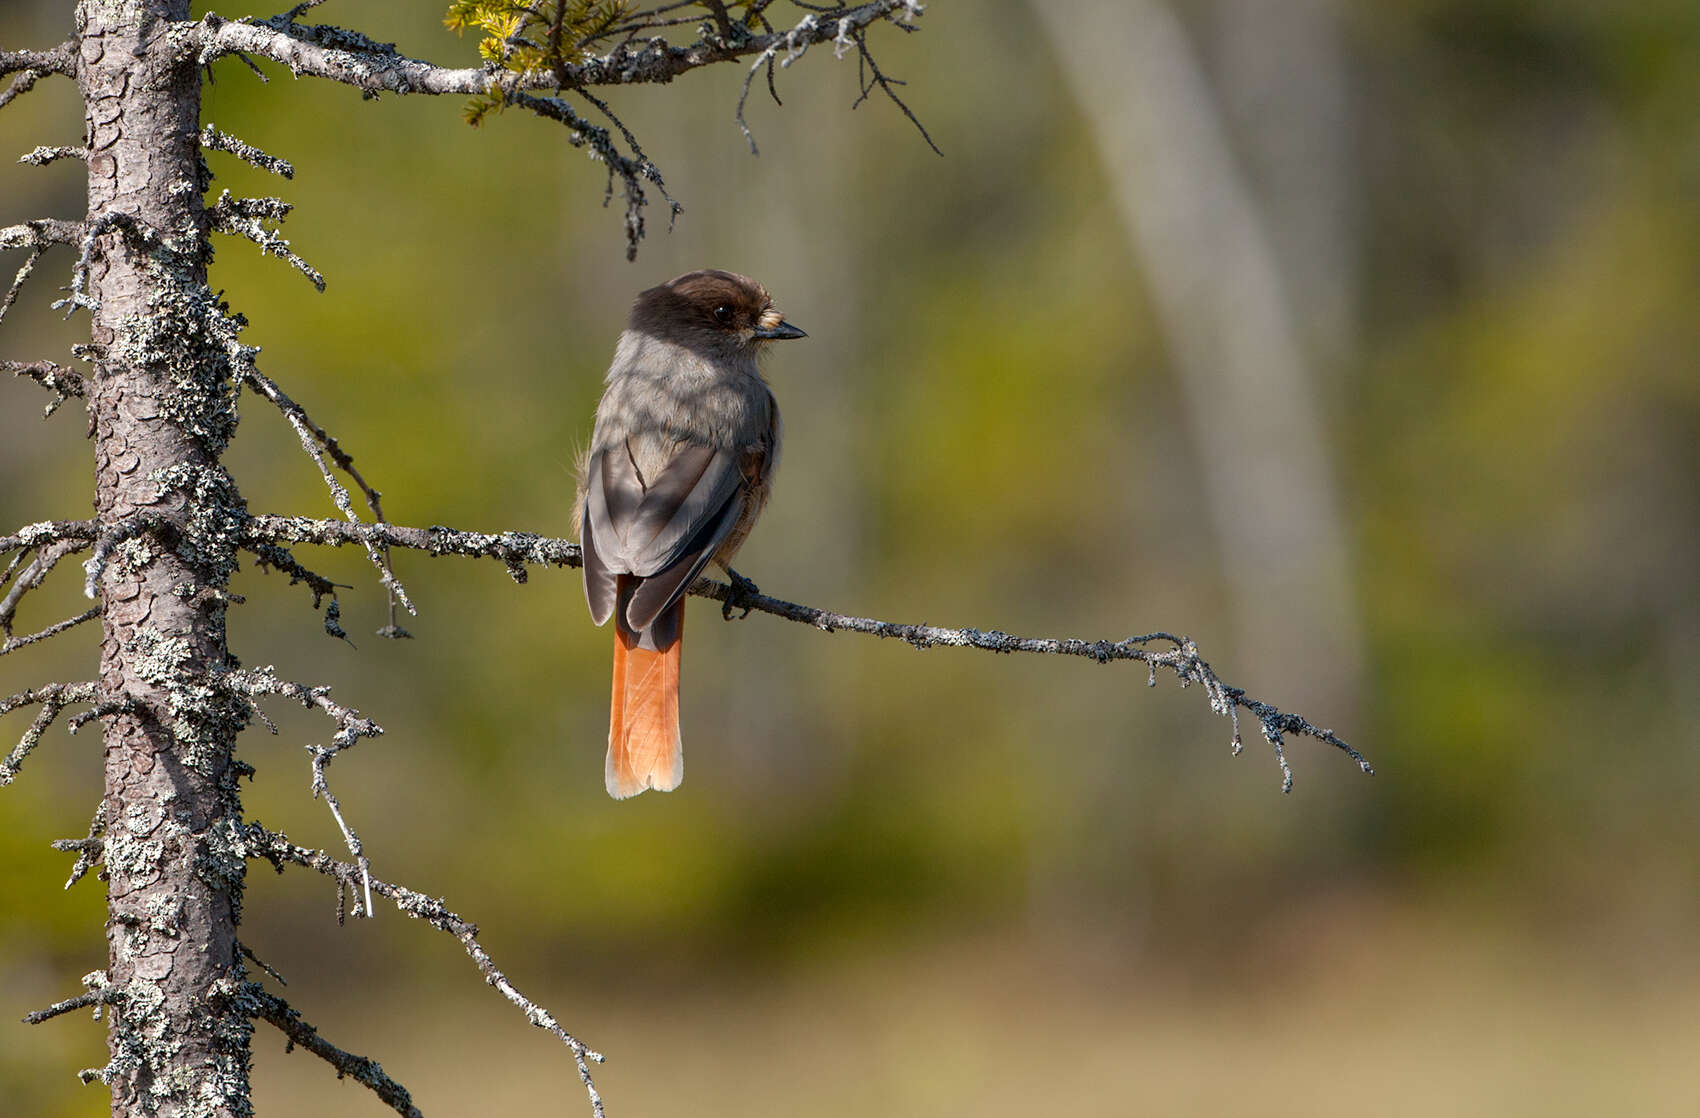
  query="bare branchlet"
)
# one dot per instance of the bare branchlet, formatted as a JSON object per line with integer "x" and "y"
{"x": 275, "y": 848}
{"x": 12, "y": 644}
{"x": 369, "y": 1073}
{"x": 23, "y": 276}
{"x": 252, "y": 684}
{"x": 32, "y": 576}
{"x": 632, "y": 171}
{"x": 52, "y": 698}
{"x": 312, "y": 438}
{"x": 90, "y": 849}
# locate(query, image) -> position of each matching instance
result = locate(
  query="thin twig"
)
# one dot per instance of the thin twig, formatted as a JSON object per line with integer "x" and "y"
{"x": 33, "y": 576}
{"x": 368, "y": 1072}
{"x": 90, "y": 850}
{"x": 52, "y": 698}
{"x": 298, "y": 417}
{"x": 248, "y": 953}
{"x": 351, "y": 727}
{"x": 102, "y": 709}
{"x": 21, "y": 85}
{"x": 279, "y": 851}
{"x": 96, "y": 997}
{"x": 11, "y": 295}
{"x": 885, "y": 83}
{"x": 14, "y": 643}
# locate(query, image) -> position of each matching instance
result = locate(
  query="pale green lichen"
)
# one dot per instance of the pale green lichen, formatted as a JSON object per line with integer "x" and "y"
{"x": 188, "y": 340}
{"x": 133, "y": 555}
{"x": 212, "y": 533}
{"x": 205, "y": 717}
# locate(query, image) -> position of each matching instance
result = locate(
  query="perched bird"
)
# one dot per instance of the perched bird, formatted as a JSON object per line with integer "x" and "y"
{"x": 678, "y": 469}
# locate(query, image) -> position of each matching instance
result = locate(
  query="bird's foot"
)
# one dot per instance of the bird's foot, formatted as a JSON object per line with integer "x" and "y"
{"x": 739, "y": 596}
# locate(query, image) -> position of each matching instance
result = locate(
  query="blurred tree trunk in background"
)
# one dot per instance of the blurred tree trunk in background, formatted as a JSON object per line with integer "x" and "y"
{"x": 1231, "y": 313}
{"x": 1282, "y": 81}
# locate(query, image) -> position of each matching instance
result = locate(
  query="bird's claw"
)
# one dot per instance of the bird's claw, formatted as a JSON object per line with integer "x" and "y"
{"x": 739, "y": 596}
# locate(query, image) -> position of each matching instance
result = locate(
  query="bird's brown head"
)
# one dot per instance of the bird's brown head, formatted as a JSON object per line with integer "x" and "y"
{"x": 714, "y": 310}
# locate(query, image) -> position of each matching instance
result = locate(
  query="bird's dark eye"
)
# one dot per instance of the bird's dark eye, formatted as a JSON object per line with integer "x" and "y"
{"x": 723, "y": 314}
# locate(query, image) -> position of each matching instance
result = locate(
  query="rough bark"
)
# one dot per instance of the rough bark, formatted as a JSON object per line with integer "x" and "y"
{"x": 163, "y": 410}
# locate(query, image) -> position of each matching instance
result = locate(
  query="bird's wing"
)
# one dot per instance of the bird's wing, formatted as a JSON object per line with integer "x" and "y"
{"x": 664, "y": 528}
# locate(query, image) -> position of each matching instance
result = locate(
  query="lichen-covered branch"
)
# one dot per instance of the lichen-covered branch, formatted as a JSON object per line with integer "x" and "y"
{"x": 43, "y": 232}
{"x": 31, "y": 66}
{"x": 46, "y": 531}
{"x": 214, "y": 140}
{"x": 57, "y": 60}
{"x": 42, "y": 155}
{"x": 257, "y": 842}
{"x": 530, "y": 54}
{"x": 516, "y": 549}
{"x": 98, "y": 996}
{"x": 245, "y": 217}
{"x": 90, "y": 849}
{"x": 353, "y": 59}
{"x": 369, "y": 1073}
{"x": 62, "y": 382}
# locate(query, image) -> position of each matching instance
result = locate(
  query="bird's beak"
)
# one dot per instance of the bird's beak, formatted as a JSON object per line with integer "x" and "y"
{"x": 779, "y": 331}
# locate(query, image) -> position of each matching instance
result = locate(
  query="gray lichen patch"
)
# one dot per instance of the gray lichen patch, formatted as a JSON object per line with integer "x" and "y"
{"x": 212, "y": 531}
{"x": 187, "y": 339}
{"x": 221, "y": 860}
{"x": 205, "y": 717}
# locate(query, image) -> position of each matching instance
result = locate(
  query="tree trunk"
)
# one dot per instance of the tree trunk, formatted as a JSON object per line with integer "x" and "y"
{"x": 163, "y": 409}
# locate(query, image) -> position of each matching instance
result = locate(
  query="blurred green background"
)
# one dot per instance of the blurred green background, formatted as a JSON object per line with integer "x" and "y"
{"x": 1450, "y": 511}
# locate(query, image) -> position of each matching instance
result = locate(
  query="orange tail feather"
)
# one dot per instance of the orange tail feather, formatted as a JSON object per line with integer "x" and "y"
{"x": 644, "y": 750}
